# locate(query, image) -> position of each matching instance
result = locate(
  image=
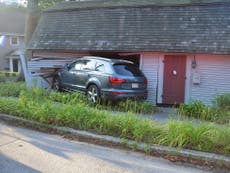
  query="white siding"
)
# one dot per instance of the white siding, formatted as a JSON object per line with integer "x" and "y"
{"x": 214, "y": 74}
{"x": 150, "y": 67}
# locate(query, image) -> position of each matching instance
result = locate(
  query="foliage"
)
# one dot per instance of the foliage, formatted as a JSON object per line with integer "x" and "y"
{"x": 204, "y": 137}
{"x": 8, "y": 76}
{"x": 73, "y": 110}
{"x": 43, "y": 4}
{"x": 219, "y": 113}
{"x": 11, "y": 89}
{"x": 222, "y": 101}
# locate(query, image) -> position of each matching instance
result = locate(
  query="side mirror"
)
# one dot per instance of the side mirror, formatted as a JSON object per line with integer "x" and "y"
{"x": 66, "y": 66}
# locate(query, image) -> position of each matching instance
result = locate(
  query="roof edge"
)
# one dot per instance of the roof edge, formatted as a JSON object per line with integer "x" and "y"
{"x": 82, "y": 5}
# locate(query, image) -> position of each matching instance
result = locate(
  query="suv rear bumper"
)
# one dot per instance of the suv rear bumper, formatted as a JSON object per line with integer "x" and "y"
{"x": 125, "y": 94}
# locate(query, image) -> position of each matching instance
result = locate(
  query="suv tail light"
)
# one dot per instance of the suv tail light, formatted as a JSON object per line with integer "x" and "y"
{"x": 146, "y": 81}
{"x": 115, "y": 80}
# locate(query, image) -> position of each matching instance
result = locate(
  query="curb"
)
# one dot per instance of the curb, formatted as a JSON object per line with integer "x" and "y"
{"x": 182, "y": 155}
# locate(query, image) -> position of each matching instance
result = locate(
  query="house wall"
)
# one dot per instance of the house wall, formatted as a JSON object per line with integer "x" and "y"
{"x": 149, "y": 64}
{"x": 6, "y": 48}
{"x": 213, "y": 71}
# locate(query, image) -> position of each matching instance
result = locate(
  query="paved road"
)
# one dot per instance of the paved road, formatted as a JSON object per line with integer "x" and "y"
{"x": 27, "y": 151}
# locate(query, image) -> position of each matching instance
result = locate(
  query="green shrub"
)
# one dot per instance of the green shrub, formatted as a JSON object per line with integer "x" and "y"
{"x": 12, "y": 89}
{"x": 219, "y": 113}
{"x": 193, "y": 109}
{"x": 6, "y": 76}
{"x": 222, "y": 101}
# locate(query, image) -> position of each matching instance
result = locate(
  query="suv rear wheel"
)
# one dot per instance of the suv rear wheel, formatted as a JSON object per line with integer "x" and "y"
{"x": 93, "y": 94}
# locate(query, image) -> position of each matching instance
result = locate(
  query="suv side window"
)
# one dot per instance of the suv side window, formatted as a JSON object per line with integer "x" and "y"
{"x": 88, "y": 65}
{"x": 76, "y": 66}
{"x": 100, "y": 67}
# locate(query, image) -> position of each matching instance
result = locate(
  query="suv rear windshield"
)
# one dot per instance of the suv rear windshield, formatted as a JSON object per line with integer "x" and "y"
{"x": 127, "y": 70}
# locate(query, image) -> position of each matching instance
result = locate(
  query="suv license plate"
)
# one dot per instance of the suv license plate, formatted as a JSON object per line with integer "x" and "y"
{"x": 135, "y": 85}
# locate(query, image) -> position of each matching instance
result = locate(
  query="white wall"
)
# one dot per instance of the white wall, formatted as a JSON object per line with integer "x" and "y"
{"x": 214, "y": 74}
{"x": 150, "y": 67}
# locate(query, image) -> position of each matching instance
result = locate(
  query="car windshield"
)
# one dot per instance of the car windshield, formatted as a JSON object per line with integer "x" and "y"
{"x": 127, "y": 70}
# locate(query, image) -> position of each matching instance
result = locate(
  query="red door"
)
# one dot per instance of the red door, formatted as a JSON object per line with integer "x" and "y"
{"x": 174, "y": 79}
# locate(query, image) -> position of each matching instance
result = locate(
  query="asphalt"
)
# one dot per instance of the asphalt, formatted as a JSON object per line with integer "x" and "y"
{"x": 162, "y": 115}
{"x": 189, "y": 156}
{"x": 24, "y": 150}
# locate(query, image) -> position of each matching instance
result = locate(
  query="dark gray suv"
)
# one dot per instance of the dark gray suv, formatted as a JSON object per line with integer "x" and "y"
{"x": 97, "y": 77}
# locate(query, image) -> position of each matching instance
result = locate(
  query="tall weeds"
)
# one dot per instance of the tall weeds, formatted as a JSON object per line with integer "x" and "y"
{"x": 203, "y": 137}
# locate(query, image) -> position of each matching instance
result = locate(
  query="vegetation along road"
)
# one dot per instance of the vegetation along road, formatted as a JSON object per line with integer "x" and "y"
{"x": 23, "y": 150}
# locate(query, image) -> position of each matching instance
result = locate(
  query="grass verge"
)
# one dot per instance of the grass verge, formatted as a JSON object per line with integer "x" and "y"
{"x": 13, "y": 89}
{"x": 202, "y": 137}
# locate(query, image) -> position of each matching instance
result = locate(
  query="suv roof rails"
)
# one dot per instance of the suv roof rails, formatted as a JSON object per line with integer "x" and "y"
{"x": 106, "y": 59}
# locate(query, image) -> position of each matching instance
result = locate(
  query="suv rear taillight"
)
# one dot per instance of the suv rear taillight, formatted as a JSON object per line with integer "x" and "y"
{"x": 115, "y": 80}
{"x": 146, "y": 81}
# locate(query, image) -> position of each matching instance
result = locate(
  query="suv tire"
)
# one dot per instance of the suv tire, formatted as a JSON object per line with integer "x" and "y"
{"x": 93, "y": 94}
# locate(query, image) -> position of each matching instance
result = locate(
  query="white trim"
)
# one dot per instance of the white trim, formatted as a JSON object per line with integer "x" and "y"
{"x": 12, "y": 34}
{"x": 187, "y": 94}
{"x": 19, "y": 66}
{"x": 11, "y": 65}
{"x": 160, "y": 79}
{"x": 141, "y": 61}
{"x": 11, "y": 42}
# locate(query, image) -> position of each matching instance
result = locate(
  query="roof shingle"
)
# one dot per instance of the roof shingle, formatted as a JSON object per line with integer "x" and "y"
{"x": 193, "y": 28}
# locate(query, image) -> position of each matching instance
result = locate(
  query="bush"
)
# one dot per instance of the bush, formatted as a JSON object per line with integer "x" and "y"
{"x": 222, "y": 101}
{"x": 6, "y": 76}
{"x": 12, "y": 89}
{"x": 219, "y": 112}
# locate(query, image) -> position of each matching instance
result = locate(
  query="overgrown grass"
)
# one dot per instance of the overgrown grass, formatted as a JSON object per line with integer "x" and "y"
{"x": 219, "y": 112}
{"x": 6, "y": 76}
{"x": 14, "y": 89}
{"x": 204, "y": 137}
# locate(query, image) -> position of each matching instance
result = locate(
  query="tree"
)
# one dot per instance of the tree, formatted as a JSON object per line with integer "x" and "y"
{"x": 47, "y": 3}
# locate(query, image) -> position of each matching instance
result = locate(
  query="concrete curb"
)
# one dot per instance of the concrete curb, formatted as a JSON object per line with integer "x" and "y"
{"x": 189, "y": 156}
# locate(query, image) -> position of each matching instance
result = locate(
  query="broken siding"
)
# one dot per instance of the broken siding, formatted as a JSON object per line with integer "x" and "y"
{"x": 214, "y": 74}
{"x": 43, "y": 65}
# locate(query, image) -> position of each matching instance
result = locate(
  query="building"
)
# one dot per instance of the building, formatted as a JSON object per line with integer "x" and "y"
{"x": 183, "y": 46}
{"x": 12, "y": 26}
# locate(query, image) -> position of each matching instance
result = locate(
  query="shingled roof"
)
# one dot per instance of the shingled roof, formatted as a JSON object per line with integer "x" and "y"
{"x": 131, "y": 25}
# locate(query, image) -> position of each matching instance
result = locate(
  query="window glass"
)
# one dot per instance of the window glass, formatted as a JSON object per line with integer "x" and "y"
{"x": 100, "y": 67}
{"x": 76, "y": 65}
{"x": 88, "y": 65}
{"x": 127, "y": 70}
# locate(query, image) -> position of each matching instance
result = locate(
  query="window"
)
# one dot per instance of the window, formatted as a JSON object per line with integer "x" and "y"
{"x": 14, "y": 40}
{"x": 127, "y": 70}
{"x": 89, "y": 65}
{"x": 100, "y": 67}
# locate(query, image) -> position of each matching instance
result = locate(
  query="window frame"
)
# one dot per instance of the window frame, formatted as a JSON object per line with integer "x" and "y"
{"x": 12, "y": 42}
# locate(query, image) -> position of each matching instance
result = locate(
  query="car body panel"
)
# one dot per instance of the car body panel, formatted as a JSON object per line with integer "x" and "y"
{"x": 86, "y": 71}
